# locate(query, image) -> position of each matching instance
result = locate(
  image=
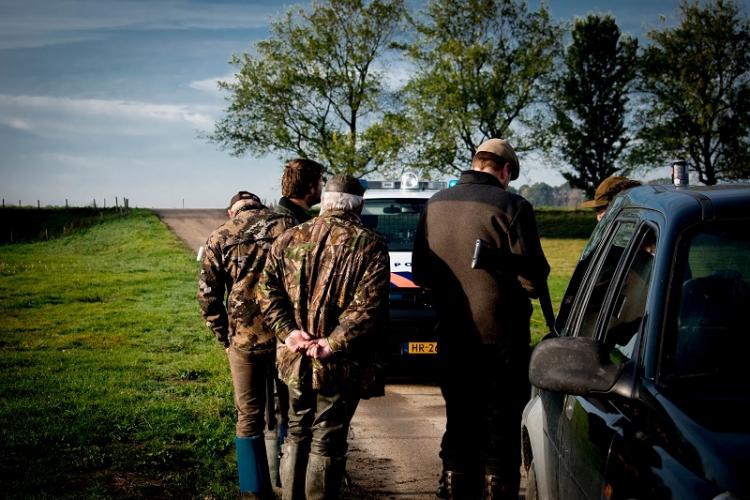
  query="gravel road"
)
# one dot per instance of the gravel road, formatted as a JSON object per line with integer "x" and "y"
{"x": 192, "y": 225}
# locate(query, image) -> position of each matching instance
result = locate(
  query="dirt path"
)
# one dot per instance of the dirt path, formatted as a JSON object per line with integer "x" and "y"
{"x": 192, "y": 225}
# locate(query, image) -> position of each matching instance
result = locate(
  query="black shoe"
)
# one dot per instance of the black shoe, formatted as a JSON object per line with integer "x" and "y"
{"x": 452, "y": 485}
{"x": 496, "y": 488}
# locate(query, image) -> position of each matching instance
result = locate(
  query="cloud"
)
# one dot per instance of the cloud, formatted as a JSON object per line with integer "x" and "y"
{"x": 33, "y": 23}
{"x": 211, "y": 85}
{"x": 42, "y": 115}
{"x": 15, "y": 123}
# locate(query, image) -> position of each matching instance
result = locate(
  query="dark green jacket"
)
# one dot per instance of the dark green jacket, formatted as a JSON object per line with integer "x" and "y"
{"x": 290, "y": 209}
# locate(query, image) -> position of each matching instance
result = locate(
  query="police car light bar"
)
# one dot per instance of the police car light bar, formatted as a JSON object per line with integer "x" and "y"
{"x": 407, "y": 184}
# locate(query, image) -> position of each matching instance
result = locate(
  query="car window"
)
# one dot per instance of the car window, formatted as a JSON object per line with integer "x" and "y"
{"x": 629, "y": 307}
{"x": 396, "y": 219}
{"x": 603, "y": 278}
{"x": 708, "y": 342}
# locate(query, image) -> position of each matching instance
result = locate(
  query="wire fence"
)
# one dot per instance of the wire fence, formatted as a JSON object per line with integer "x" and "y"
{"x": 21, "y": 223}
{"x": 119, "y": 202}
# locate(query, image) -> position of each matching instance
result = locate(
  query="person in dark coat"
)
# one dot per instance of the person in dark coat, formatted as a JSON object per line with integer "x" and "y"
{"x": 484, "y": 313}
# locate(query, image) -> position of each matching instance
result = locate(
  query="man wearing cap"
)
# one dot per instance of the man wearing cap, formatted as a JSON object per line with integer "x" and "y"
{"x": 484, "y": 313}
{"x": 606, "y": 191}
{"x": 324, "y": 293}
{"x": 233, "y": 261}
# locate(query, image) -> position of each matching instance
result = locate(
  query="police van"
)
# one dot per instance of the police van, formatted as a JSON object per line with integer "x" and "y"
{"x": 393, "y": 208}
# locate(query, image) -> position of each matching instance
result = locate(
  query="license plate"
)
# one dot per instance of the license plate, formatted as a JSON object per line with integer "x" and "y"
{"x": 421, "y": 348}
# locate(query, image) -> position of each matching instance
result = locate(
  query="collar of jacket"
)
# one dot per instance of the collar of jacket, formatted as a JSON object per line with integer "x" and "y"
{"x": 342, "y": 214}
{"x": 300, "y": 214}
{"x": 477, "y": 177}
{"x": 249, "y": 205}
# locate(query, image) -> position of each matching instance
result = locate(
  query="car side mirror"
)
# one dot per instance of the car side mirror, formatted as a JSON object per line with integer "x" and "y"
{"x": 572, "y": 365}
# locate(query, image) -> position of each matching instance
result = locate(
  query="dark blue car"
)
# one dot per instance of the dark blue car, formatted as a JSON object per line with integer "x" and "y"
{"x": 642, "y": 390}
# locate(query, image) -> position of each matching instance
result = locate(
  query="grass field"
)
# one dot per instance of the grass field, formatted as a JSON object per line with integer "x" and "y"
{"x": 110, "y": 384}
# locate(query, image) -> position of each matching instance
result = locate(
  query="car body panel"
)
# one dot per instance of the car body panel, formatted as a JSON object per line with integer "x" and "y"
{"x": 412, "y": 318}
{"x": 648, "y": 436}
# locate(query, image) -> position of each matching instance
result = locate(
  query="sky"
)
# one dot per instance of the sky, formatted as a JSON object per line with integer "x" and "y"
{"x": 112, "y": 98}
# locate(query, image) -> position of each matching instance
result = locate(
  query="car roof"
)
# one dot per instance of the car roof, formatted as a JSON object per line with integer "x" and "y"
{"x": 693, "y": 203}
{"x": 398, "y": 194}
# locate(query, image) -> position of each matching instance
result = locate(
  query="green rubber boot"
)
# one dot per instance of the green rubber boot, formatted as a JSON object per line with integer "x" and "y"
{"x": 252, "y": 466}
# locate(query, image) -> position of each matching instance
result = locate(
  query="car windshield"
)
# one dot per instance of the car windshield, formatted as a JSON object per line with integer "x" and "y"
{"x": 396, "y": 219}
{"x": 707, "y": 341}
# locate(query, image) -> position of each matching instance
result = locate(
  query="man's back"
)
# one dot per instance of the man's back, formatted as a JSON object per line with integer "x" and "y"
{"x": 487, "y": 302}
{"x": 235, "y": 255}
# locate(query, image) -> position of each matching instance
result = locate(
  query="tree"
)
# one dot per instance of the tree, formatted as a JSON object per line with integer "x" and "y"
{"x": 696, "y": 78}
{"x": 311, "y": 89}
{"x": 590, "y": 104}
{"x": 539, "y": 194}
{"x": 479, "y": 67}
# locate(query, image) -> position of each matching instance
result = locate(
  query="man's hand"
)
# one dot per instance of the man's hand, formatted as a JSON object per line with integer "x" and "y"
{"x": 298, "y": 341}
{"x": 319, "y": 349}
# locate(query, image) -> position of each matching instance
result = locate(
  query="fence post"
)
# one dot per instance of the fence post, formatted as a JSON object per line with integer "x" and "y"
{"x": 38, "y": 205}
{"x": 66, "y": 203}
{"x": 94, "y": 202}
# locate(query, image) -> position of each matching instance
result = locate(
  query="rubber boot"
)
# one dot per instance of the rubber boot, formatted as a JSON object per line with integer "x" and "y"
{"x": 252, "y": 467}
{"x": 292, "y": 470}
{"x": 273, "y": 451}
{"x": 324, "y": 477}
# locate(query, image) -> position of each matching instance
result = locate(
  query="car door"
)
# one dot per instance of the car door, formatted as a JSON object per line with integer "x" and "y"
{"x": 613, "y": 307}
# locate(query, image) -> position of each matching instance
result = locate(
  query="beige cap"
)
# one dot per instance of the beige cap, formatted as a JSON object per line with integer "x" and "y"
{"x": 503, "y": 149}
{"x": 608, "y": 189}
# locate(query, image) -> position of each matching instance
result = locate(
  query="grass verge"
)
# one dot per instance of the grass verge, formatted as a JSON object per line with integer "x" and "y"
{"x": 110, "y": 384}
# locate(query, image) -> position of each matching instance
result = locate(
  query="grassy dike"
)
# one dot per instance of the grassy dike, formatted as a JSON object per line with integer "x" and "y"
{"x": 110, "y": 385}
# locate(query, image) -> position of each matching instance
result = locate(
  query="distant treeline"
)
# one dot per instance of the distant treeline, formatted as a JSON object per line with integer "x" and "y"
{"x": 39, "y": 224}
{"x": 541, "y": 194}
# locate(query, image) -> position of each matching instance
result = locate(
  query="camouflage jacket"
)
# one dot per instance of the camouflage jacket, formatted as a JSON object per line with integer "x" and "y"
{"x": 328, "y": 277}
{"x": 232, "y": 264}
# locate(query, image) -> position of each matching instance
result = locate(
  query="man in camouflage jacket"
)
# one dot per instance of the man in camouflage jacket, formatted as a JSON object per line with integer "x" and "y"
{"x": 232, "y": 264}
{"x": 324, "y": 293}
